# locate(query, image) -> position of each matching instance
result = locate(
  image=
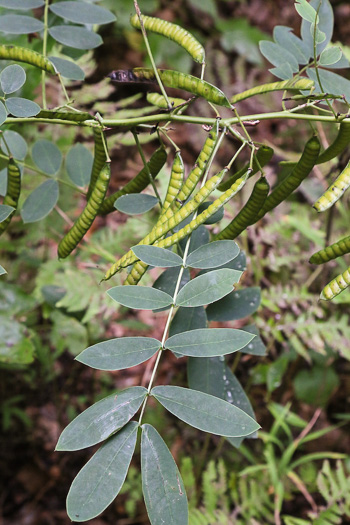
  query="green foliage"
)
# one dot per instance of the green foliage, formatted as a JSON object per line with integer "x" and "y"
{"x": 215, "y": 400}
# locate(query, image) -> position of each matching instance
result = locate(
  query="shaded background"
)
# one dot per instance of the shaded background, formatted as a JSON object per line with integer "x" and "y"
{"x": 307, "y": 342}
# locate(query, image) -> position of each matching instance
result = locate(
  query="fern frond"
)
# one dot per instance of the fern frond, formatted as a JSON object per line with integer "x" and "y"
{"x": 302, "y": 322}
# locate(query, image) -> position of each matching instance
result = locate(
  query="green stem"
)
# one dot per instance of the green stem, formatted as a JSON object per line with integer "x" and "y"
{"x": 144, "y": 34}
{"x": 316, "y": 65}
{"x": 235, "y": 156}
{"x": 147, "y": 167}
{"x": 170, "y": 140}
{"x": 63, "y": 89}
{"x": 43, "y": 73}
{"x": 184, "y": 119}
{"x": 177, "y": 288}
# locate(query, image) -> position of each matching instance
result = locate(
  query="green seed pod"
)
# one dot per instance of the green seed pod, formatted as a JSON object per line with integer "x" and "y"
{"x": 99, "y": 159}
{"x": 338, "y": 146}
{"x": 173, "y": 79}
{"x": 175, "y": 182}
{"x": 335, "y": 191}
{"x": 64, "y": 115}
{"x": 331, "y": 252}
{"x": 137, "y": 272}
{"x": 21, "y": 54}
{"x": 199, "y": 168}
{"x": 176, "y": 178}
{"x": 290, "y": 85}
{"x": 295, "y": 178}
{"x": 263, "y": 156}
{"x": 248, "y": 213}
{"x": 13, "y": 191}
{"x": 162, "y": 228}
{"x": 173, "y": 32}
{"x": 336, "y": 286}
{"x": 202, "y": 217}
{"x": 87, "y": 217}
{"x": 139, "y": 183}
{"x": 156, "y": 99}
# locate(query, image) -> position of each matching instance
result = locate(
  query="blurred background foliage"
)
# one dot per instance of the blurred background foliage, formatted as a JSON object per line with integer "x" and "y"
{"x": 50, "y": 310}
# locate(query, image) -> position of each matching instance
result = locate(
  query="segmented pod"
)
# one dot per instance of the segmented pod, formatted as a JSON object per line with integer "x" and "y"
{"x": 173, "y": 79}
{"x": 175, "y": 181}
{"x": 165, "y": 224}
{"x": 64, "y": 115}
{"x": 99, "y": 159}
{"x": 21, "y": 54}
{"x": 263, "y": 156}
{"x": 13, "y": 191}
{"x": 290, "y": 85}
{"x": 156, "y": 99}
{"x": 341, "y": 141}
{"x": 295, "y": 178}
{"x": 136, "y": 273}
{"x": 87, "y": 217}
{"x": 139, "y": 183}
{"x": 173, "y": 32}
{"x": 336, "y": 286}
{"x": 170, "y": 220}
{"x": 199, "y": 168}
{"x": 335, "y": 191}
{"x": 202, "y": 217}
{"x": 248, "y": 213}
{"x": 331, "y": 252}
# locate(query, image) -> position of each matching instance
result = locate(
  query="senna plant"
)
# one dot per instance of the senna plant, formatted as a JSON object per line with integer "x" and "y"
{"x": 214, "y": 400}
